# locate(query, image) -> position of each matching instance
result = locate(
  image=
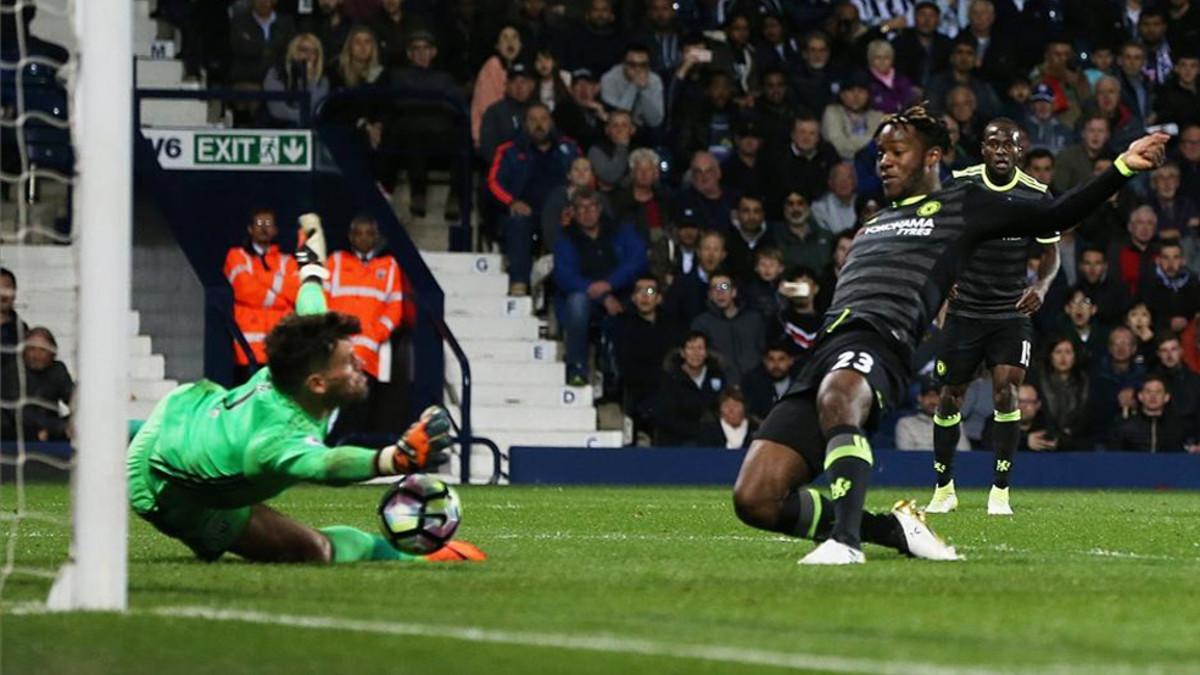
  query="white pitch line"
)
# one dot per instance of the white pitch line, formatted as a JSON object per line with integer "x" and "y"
{"x": 611, "y": 644}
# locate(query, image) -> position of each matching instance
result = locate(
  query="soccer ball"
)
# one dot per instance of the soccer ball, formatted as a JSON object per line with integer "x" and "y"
{"x": 419, "y": 514}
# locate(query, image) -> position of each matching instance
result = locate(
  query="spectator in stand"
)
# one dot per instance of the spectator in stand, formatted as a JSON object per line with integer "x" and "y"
{"x": 610, "y": 157}
{"x": 1135, "y": 257}
{"x": 391, "y": 27}
{"x": 1069, "y": 86}
{"x": 1109, "y": 295}
{"x": 1046, "y": 132}
{"x": 1090, "y": 336}
{"x": 329, "y": 24}
{"x": 1150, "y": 428}
{"x": 357, "y": 64}
{"x": 1039, "y": 163}
{"x": 1183, "y": 384}
{"x": 891, "y": 91}
{"x": 1114, "y": 378}
{"x": 816, "y": 79}
{"x": 768, "y": 382}
{"x": 708, "y": 126}
{"x": 258, "y": 39}
{"x": 1152, "y": 33}
{"x": 663, "y": 38}
{"x": 538, "y": 22}
{"x": 748, "y": 235}
{"x": 598, "y": 43}
{"x": 848, "y": 34}
{"x": 688, "y": 295}
{"x": 491, "y": 82}
{"x": 775, "y": 108}
{"x": 553, "y": 83}
{"x": 962, "y": 72}
{"x": 644, "y": 201}
{"x": 921, "y": 51}
{"x": 1137, "y": 92}
{"x": 368, "y": 284}
{"x": 962, "y": 107}
{"x": 737, "y": 51}
{"x": 1064, "y": 385}
{"x": 1014, "y": 104}
{"x": 803, "y": 243}
{"x": 644, "y": 337}
{"x": 685, "y": 89}
{"x": 1189, "y": 159}
{"x": 42, "y": 386}
{"x": 1106, "y": 226}
{"x": 777, "y": 49}
{"x": 302, "y": 70}
{"x": 687, "y": 398}
{"x": 735, "y": 334}
{"x": 1184, "y": 22}
{"x": 583, "y": 117}
{"x": 915, "y": 432}
{"x": 557, "y": 212}
{"x": 596, "y": 262}
{"x": 835, "y": 212}
{"x": 705, "y": 194}
{"x": 1140, "y": 321}
{"x": 504, "y": 119}
{"x": 12, "y": 332}
{"x": 743, "y": 171}
{"x": 761, "y": 292}
{"x": 842, "y": 242}
{"x": 675, "y": 255}
{"x": 1178, "y": 100}
{"x": 1124, "y": 124}
{"x": 733, "y": 430}
{"x": 265, "y": 282}
{"x": 995, "y": 53}
{"x": 1074, "y": 164}
{"x": 428, "y": 130}
{"x": 1036, "y": 434}
{"x": 802, "y": 166}
{"x": 849, "y": 124}
{"x": 1178, "y": 215}
{"x": 522, "y": 176}
{"x": 798, "y": 320}
{"x": 632, "y": 87}
{"x": 1172, "y": 293}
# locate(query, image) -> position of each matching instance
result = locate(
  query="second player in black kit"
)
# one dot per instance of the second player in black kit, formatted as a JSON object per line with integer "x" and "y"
{"x": 899, "y": 270}
{"x": 987, "y": 322}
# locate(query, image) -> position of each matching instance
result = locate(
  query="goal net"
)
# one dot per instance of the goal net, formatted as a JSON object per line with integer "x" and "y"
{"x": 65, "y": 228}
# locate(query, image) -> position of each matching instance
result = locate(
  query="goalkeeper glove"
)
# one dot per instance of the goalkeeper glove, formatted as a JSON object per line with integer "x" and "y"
{"x": 310, "y": 248}
{"x": 426, "y": 445}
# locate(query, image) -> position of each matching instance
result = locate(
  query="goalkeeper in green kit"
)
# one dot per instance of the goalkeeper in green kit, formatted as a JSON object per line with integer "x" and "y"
{"x": 202, "y": 465}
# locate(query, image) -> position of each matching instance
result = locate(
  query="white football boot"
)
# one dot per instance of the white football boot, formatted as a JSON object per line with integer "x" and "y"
{"x": 944, "y": 499}
{"x": 832, "y": 552}
{"x": 921, "y": 541}
{"x": 998, "y": 502}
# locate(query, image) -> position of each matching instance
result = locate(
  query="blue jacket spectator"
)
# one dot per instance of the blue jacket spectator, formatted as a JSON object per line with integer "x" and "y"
{"x": 1114, "y": 381}
{"x": 595, "y": 265}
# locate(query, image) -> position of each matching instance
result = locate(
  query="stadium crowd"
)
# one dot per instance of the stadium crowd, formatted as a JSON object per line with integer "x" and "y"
{"x": 683, "y": 180}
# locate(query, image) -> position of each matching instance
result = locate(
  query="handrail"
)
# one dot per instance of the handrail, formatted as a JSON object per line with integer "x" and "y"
{"x": 302, "y": 98}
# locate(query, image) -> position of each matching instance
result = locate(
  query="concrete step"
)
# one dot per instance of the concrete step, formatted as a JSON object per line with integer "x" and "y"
{"x": 159, "y": 73}
{"x": 509, "y": 350}
{"x": 486, "y": 306}
{"x": 53, "y": 26}
{"x": 442, "y": 263}
{"x": 34, "y": 257}
{"x": 140, "y": 345}
{"x": 140, "y": 409}
{"x": 568, "y": 439}
{"x": 548, "y": 395}
{"x": 509, "y": 373}
{"x": 149, "y": 367}
{"x": 174, "y": 113}
{"x": 473, "y": 284}
{"x": 495, "y": 328}
{"x": 521, "y": 418}
{"x": 150, "y": 390}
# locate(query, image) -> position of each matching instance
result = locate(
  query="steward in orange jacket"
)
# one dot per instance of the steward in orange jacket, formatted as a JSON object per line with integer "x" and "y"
{"x": 265, "y": 282}
{"x": 371, "y": 287}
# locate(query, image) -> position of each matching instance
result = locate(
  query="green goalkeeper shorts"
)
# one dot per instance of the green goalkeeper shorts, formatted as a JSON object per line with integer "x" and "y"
{"x": 174, "y": 511}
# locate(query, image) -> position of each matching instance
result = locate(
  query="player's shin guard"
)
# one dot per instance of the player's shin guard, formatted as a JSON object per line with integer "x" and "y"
{"x": 353, "y": 545}
{"x": 848, "y": 461}
{"x": 946, "y": 432}
{"x": 1006, "y": 433}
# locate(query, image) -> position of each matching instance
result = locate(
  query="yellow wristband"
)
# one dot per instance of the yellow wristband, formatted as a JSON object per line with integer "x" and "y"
{"x": 1124, "y": 168}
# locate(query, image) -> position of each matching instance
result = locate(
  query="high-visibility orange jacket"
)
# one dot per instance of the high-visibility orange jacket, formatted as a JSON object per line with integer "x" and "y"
{"x": 372, "y": 290}
{"x": 264, "y": 291}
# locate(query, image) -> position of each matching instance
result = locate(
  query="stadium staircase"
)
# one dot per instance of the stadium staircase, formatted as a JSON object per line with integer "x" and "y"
{"x": 47, "y": 279}
{"x": 519, "y": 395}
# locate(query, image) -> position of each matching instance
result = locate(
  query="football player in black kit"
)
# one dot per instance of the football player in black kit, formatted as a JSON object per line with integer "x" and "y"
{"x": 988, "y": 321}
{"x": 900, "y": 268}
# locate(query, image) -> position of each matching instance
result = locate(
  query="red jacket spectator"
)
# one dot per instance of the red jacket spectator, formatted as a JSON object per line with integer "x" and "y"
{"x": 265, "y": 282}
{"x": 372, "y": 288}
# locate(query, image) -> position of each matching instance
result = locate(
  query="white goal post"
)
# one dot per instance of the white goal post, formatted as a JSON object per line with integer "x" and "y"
{"x": 102, "y": 135}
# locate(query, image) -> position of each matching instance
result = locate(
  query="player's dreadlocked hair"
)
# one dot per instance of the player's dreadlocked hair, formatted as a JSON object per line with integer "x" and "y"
{"x": 929, "y": 127}
{"x": 300, "y": 345}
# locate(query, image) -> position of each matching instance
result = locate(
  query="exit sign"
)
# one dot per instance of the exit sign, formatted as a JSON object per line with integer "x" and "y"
{"x": 232, "y": 149}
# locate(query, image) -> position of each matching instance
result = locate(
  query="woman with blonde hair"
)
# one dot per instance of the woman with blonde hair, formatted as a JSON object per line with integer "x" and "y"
{"x": 489, "y": 83}
{"x": 303, "y": 69}
{"x": 358, "y": 64}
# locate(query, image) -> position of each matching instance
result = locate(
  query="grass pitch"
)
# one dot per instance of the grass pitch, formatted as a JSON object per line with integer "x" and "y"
{"x": 649, "y": 580}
